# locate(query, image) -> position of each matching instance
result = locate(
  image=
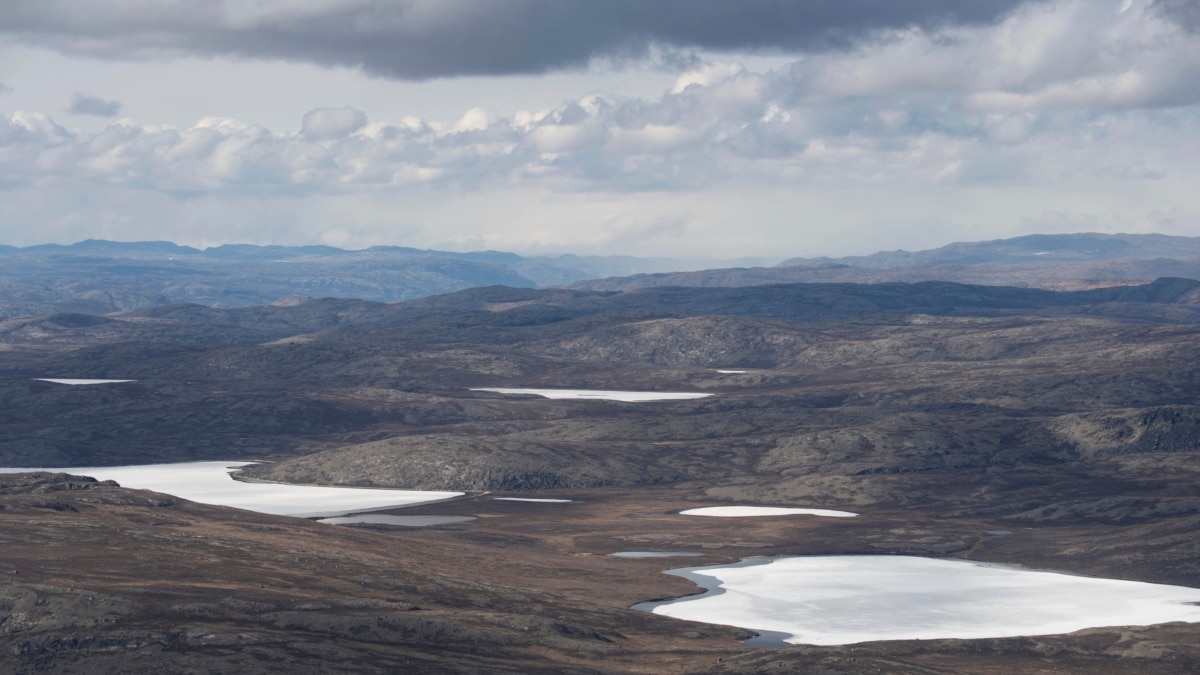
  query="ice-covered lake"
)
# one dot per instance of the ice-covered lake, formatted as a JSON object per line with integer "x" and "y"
{"x": 597, "y": 394}
{"x": 75, "y": 381}
{"x": 389, "y": 519}
{"x": 752, "y": 511}
{"x": 535, "y": 500}
{"x": 656, "y": 554}
{"x": 834, "y": 600}
{"x": 211, "y": 483}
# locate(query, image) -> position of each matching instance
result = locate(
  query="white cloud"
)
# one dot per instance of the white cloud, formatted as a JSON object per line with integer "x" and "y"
{"x": 706, "y": 76}
{"x": 1058, "y": 54}
{"x": 475, "y": 119}
{"x": 332, "y": 123}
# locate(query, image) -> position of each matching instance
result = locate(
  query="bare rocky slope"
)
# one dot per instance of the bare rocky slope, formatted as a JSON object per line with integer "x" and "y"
{"x": 843, "y": 379}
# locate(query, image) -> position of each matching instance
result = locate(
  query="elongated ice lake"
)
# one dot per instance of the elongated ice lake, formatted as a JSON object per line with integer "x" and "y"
{"x": 211, "y": 483}
{"x": 835, "y": 600}
{"x": 656, "y": 554}
{"x": 759, "y": 511}
{"x": 599, "y": 394}
{"x": 389, "y": 519}
{"x": 78, "y": 381}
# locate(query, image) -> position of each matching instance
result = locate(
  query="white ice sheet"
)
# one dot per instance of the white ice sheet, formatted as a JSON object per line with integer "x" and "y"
{"x": 210, "y": 483}
{"x": 832, "y": 600}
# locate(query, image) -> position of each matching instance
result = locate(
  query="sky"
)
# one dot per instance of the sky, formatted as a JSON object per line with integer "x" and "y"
{"x": 669, "y": 128}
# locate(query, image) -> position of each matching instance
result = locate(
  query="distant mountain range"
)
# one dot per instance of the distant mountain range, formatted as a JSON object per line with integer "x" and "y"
{"x": 1034, "y": 248}
{"x": 1049, "y": 261}
{"x": 100, "y": 277}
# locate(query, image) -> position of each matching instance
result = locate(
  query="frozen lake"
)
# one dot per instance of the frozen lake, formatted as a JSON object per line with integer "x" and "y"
{"x": 533, "y": 499}
{"x": 389, "y": 519}
{"x": 655, "y": 554}
{"x": 210, "y": 483}
{"x": 834, "y": 600}
{"x": 68, "y": 380}
{"x": 626, "y": 396}
{"x": 751, "y": 511}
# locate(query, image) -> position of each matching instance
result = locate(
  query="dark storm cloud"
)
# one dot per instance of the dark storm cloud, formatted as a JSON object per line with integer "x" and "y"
{"x": 1186, "y": 13}
{"x": 416, "y": 39}
{"x": 83, "y": 104}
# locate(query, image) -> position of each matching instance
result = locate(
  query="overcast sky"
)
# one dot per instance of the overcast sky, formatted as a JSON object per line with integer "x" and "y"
{"x": 666, "y": 127}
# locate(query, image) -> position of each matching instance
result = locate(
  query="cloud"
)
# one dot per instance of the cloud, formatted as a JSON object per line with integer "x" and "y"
{"x": 418, "y": 39}
{"x": 83, "y": 104}
{"x": 332, "y": 123}
{"x": 1067, "y": 54}
{"x": 1186, "y": 13}
{"x": 1056, "y": 106}
{"x": 726, "y": 124}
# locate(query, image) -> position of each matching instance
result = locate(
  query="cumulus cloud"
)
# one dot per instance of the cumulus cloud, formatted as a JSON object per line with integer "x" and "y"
{"x": 417, "y": 39}
{"x": 726, "y": 123}
{"x": 83, "y": 104}
{"x": 1052, "y": 55}
{"x": 332, "y": 123}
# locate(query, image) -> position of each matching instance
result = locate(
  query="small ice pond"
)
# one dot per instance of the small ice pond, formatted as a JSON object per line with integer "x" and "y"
{"x": 751, "y": 511}
{"x": 388, "y": 519}
{"x": 68, "y": 380}
{"x": 533, "y": 499}
{"x": 730, "y": 372}
{"x": 656, "y": 554}
{"x": 211, "y": 483}
{"x": 834, "y": 600}
{"x": 626, "y": 396}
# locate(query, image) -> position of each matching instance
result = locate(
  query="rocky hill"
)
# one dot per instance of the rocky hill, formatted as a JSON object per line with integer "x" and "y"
{"x": 380, "y": 394}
